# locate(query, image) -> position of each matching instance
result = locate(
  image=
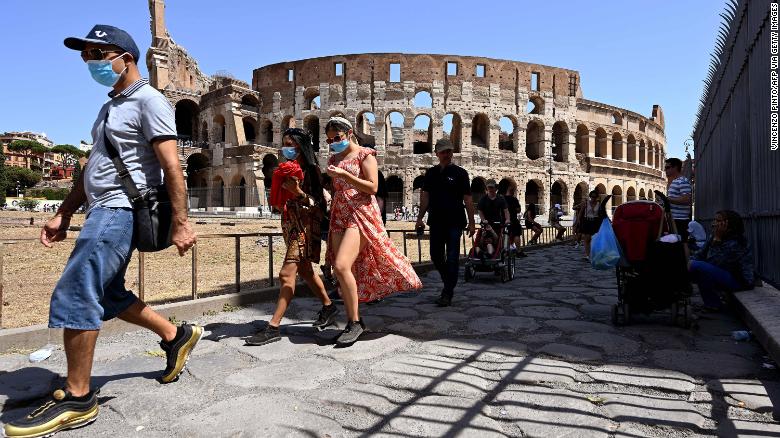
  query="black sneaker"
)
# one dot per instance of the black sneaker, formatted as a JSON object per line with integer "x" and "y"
{"x": 326, "y": 316}
{"x": 265, "y": 336}
{"x": 444, "y": 301}
{"x": 61, "y": 411}
{"x": 351, "y": 333}
{"x": 177, "y": 351}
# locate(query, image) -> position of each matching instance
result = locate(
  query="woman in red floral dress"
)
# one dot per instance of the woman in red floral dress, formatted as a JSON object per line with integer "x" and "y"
{"x": 367, "y": 264}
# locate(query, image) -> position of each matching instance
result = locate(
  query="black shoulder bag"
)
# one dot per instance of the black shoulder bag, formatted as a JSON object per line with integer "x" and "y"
{"x": 152, "y": 211}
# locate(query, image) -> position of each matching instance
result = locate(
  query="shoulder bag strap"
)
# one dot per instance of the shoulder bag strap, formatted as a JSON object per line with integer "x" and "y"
{"x": 124, "y": 175}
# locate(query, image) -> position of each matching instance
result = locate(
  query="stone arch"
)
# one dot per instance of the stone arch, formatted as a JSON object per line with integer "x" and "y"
{"x": 534, "y": 195}
{"x": 394, "y": 129}
{"x": 250, "y": 129}
{"x": 534, "y": 140}
{"x": 580, "y": 193}
{"x": 338, "y": 114}
{"x": 505, "y": 184}
{"x": 650, "y": 194}
{"x": 480, "y": 130}
{"x": 583, "y": 139}
{"x": 642, "y": 152}
{"x": 186, "y": 115}
{"x": 617, "y": 146}
{"x": 617, "y": 197}
{"x": 559, "y": 193}
{"x": 217, "y": 192}
{"x": 535, "y": 105}
{"x": 560, "y": 141}
{"x": 311, "y": 98}
{"x": 312, "y": 124}
{"x": 251, "y": 101}
{"x": 267, "y": 132}
{"x": 650, "y": 154}
{"x": 287, "y": 123}
{"x": 507, "y": 137}
{"x": 453, "y": 122}
{"x": 197, "y": 165}
{"x": 601, "y": 143}
{"x": 631, "y": 149}
{"x": 642, "y": 194}
{"x": 423, "y": 99}
{"x": 365, "y": 127}
{"x": 270, "y": 163}
{"x": 478, "y": 189}
{"x": 238, "y": 188}
{"x": 630, "y": 194}
{"x": 423, "y": 134}
{"x": 601, "y": 190}
{"x": 219, "y": 127}
{"x": 395, "y": 192}
{"x": 617, "y": 118}
{"x": 417, "y": 186}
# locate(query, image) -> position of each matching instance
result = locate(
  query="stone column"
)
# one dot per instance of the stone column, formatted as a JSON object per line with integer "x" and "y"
{"x": 591, "y": 145}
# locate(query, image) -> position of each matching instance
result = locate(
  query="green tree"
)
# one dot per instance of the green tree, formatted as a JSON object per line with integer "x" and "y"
{"x": 76, "y": 171}
{"x": 28, "y": 204}
{"x": 69, "y": 153}
{"x": 25, "y": 177}
{"x": 28, "y": 148}
{"x": 3, "y": 178}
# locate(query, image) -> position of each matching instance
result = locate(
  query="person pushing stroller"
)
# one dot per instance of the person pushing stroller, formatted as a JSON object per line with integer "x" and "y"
{"x": 493, "y": 210}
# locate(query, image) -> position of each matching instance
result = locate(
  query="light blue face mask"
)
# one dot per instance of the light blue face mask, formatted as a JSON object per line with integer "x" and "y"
{"x": 290, "y": 152}
{"x": 340, "y": 146}
{"x": 103, "y": 72}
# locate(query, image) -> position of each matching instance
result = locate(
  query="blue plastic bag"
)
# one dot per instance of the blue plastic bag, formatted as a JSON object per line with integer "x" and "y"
{"x": 604, "y": 248}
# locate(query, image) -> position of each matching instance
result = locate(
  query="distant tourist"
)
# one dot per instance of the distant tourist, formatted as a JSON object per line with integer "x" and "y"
{"x": 589, "y": 220}
{"x": 577, "y": 225}
{"x": 446, "y": 198}
{"x": 92, "y": 289}
{"x": 679, "y": 191}
{"x": 556, "y": 213}
{"x": 358, "y": 238}
{"x": 725, "y": 263}
{"x": 300, "y": 197}
{"x": 508, "y": 189}
{"x": 530, "y": 223}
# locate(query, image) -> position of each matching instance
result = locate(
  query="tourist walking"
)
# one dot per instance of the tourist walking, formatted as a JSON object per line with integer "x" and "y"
{"x": 508, "y": 189}
{"x": 679, "y": 192}
{"x": 589, "y": 220}
{"x": 300, "y": 197}
{"x": 556, "y": 213}
{"x": 530, "y": 223}
{"x": 137, "y": 123}
{"x": 446, "y": 198}
{"x": 725, "y": 263}
{"x": 367, "y": 264}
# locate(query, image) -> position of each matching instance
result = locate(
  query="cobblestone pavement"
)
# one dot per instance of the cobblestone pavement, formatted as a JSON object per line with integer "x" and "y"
{"x": 533, "y": 357}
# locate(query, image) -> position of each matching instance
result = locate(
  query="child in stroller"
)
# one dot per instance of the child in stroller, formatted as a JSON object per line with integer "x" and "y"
{"x": 486, "y": 242}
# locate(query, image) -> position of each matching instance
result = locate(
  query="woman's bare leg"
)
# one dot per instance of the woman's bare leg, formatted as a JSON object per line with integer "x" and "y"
{"x": 346, "y": 248}
{"x": 286, "y": 291}
{"x": 314, "y": 281}
{"x": 587, "y": 245}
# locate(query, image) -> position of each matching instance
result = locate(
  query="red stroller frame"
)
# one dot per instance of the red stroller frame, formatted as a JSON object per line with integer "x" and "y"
{"x": 502, "y": 262}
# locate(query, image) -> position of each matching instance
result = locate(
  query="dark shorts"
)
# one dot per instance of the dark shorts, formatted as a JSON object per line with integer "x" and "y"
{"x": 590, "y": 226}
{"x": 682, "y": 228}
{"x": 92, "y": 286}
{"x": 529, "y": 224}
{"x": 515, "y": 229}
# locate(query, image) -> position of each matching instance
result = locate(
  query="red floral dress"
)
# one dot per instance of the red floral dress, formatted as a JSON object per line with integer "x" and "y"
{"x": 380, "y": 268}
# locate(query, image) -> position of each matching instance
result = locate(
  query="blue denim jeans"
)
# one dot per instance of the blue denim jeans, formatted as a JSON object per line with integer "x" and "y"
{"x": 711, "y": 279}
{"x": 445, "y": 255}
{"x": 92, "y": 286}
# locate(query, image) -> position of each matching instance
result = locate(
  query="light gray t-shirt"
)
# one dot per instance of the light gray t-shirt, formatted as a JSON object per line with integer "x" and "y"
{"x": 138, "y": 117}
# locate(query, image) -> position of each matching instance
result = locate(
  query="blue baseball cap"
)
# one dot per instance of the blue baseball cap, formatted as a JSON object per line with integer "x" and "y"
{"x": 105, "y": 34}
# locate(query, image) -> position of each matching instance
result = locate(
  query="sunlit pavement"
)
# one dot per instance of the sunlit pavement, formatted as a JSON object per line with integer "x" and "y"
{"x": 537, "y": 356}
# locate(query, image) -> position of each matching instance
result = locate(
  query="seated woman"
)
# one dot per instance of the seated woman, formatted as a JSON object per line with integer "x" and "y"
{"x": 725, "y": 262}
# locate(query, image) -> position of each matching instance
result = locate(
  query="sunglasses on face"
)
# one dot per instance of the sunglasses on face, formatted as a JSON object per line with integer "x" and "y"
{"x": 336, "y": 138}
{"x": 95, "y": 54}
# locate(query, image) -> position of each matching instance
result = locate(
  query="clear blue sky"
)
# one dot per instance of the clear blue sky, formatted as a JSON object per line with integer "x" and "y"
{"x": 631, "y": 54}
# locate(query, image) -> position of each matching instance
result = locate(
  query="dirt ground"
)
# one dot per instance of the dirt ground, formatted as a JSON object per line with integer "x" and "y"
{"x": 30, "y": 271}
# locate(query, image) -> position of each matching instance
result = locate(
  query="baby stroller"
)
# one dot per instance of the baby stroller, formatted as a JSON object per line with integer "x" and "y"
{"x": 501, "y": 261}
{"x": 652, "y": 275}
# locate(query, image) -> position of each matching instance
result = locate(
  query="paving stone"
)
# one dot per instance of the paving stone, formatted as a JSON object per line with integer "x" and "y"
{"x": 281, "y": 416}
{"x": 370, "y": 346}
{"x": 551, "y": 312}
{"x": 605, "y": 299}
{"x": 600, "y": 311}
{"x": 478, "y": 349}
{"x": 747, "y": 429}
{"x": 433, "y": 374}
{"x": 726, "y": 344}
{"x": 391, "y": 312}
{"x": 546, "y": 412}
{"x": 753, "y": 394}
{"x": 285, "y": 348}
{"x": 530, "y": 302}
{"x": 575, "y": 301}
{"x": 137, "y": 372}
{"x": 422, "y": 328}
{"x": 484, "y": 311}
{"x": 11, "y": 362}
{"x": 539, "y": 338}
{"x": 298, "y": 374}
{"x": 700, "y": 397}
{"x": 494, "y": 293}
{"x": 705, "y": 364}
{"x": 574, "y": 326}
{"x": 644, "y": 377}
{"x": 661, "y": 339}
{"x": 361, "y": 407}
{"x": 437, "y": 415}
{"x": 556, "y": 296}
{"x": 213, "y": 367}
{"x": 570, "y": 352}
{"x": 449, "y": 316}
{"x": 25, "y": 384}
{"x": 652, "y": 410}
{"x": 498, "y": 324}
{"x": 612, "y": 344}
{"x": 535, "y": 370}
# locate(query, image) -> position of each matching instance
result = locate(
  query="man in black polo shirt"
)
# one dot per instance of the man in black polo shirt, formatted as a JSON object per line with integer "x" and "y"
{"x": 445, "y": 191}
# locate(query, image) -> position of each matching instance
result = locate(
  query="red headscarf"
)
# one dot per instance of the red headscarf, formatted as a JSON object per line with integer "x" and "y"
{"x": 279, "y": 196}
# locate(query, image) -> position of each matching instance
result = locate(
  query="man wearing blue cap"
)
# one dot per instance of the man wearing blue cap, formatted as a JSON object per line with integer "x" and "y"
{"x": 139, "y": 124}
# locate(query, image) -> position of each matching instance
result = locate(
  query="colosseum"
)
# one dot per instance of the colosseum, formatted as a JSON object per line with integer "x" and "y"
{"x": 507, "y": 119}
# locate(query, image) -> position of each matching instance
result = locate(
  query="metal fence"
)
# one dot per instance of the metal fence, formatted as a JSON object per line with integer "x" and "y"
{"x": 204, "y": 197}
{"x": 735, "y": 167}
{"x": 255, "y": 259}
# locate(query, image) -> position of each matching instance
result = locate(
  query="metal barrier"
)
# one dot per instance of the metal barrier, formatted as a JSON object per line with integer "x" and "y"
{"x": 410, "y": 249}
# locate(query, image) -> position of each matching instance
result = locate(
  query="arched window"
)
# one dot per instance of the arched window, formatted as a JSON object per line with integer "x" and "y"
{"x": 601, "y": 190}
{"x": 250, "y": 103}
{"x": 394, "y": 129}
{"x": 423, "y": 134}
{"x": 535, "y": 105}
{"x": 311, "y": 98}
{"x": 560, "y": 141}
{"x": 534, "y": 195}
{"x": 217, "y": 192}
{"x": 642, "y": 194}
{"x": 423, "y": 100}
{"x": 601, "y": 143}
{"x": 480, "y": 130}
{"x": 650, "y": 154}
{"x": 617, "y": 197}
{"x": 631, "y": 149}
{"x": 642, "y": 152}
{"x": 558, "y": 193}
{"x": 631, "y": 194}
{"x": 219, "y": 127}
{"x": 312, "y": 124}
{"x": 534, "y": 140}
{"x": 365, "y": 126}
{"x": 506, "y": 136}
{"x": 250, "y": 129}
{"x": 583, "y": 138}
{"x": 580, "y": 193}
{"x": 617, "y": 118}
{"x": 288, "y": 122}
{"x": 267, "y": 132}
{"x": 186, "y": 119}
{"x": 451, "y": 126}
{"x": 617, "y": 146}
{"x": 395, "y": 192}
